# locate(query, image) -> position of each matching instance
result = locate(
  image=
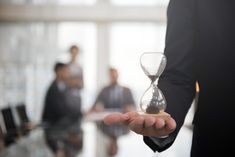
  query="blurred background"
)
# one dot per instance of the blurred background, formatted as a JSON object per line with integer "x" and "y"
{"x": 36, "y": 34}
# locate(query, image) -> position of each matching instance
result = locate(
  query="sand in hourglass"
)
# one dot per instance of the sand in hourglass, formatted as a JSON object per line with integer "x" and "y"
{"x": 152, "y": 108}
{"x": 152, "y": 77}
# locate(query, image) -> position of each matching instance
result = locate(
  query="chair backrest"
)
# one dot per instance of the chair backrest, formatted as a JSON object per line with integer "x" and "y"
{"x": 9, "y": 122}
{"x": 22, "y": 113}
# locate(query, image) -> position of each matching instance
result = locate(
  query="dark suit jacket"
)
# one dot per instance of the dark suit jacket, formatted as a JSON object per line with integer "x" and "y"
{"x": 200, "y": 46}
{"x": 60, "y": 119}
{"x": 55, "y": 102}
{"x": 57, "y": 107}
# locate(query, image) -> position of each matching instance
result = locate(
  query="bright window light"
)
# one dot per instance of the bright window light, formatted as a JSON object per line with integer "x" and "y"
{"x": 128, "y": 42}
{"x": 84, "y": 35}
{"x": 140, "y": 2}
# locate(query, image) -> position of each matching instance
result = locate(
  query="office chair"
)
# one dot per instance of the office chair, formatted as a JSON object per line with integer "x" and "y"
{"x": 21, "y": 110}
{"x": 12, "y": 132}
{"x": 23, "y": 118}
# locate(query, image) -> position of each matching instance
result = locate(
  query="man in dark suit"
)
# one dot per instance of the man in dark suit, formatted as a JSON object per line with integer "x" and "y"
{"x": 114, "y": 97}
{"x": 55, "y": 100}
{"x": 199, "y": 47}
{"x": 55, "y": 97}
{"x": 62, "y": 120}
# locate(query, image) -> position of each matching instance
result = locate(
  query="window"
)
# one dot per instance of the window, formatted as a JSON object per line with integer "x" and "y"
{"x": 84, "y": 35}
{"x": 59, "y": 2}
{"x": 140, "y": 2}
{"x": 76, "y": 2}
{"x": 128, "y": 42}
{"x": 28, "y": 53}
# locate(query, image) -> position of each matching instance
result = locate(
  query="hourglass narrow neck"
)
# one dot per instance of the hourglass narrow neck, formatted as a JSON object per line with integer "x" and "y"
{"x": 153, "y": 78}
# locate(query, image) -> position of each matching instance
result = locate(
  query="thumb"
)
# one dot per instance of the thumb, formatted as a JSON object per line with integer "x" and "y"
{"x": 113, "y": 118}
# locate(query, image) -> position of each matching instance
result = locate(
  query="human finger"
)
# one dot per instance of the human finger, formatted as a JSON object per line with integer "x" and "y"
{"x": 113, "y": 118}
{"x": 149, "y": 121}
{"x": 137, "y": 124}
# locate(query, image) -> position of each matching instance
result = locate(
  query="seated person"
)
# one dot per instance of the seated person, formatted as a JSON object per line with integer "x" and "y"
{"x": 117, "y": 98}
{"x": 62, "y": 120}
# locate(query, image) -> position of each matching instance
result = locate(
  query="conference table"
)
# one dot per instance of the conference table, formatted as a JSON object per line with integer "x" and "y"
{"x": 34, "y": 144}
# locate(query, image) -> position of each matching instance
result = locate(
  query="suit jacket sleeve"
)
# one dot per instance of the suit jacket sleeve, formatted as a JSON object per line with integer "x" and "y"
{"x": 178, "y": 80}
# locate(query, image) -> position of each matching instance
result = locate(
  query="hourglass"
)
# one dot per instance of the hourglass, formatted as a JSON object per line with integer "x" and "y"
{"x": 153, "y": 100}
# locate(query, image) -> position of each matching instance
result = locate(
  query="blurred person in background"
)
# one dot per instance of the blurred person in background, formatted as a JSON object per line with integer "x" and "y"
{"x": 75, "y": 85}
{"x": 61, "y": 119}
{"x": 114, "y": 97}
{"x": 75, "y": 80}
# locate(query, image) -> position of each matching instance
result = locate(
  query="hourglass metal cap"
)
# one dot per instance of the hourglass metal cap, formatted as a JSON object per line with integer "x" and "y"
{"x": 153, "y": 100}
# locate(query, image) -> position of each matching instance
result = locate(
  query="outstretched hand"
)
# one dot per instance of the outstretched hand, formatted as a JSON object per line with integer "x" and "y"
{"x": 156, "y": 125}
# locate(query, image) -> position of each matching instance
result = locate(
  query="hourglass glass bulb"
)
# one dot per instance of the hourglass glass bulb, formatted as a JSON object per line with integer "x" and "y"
{"x": 153, "y": 64}
{"x": 153, "y": 100}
